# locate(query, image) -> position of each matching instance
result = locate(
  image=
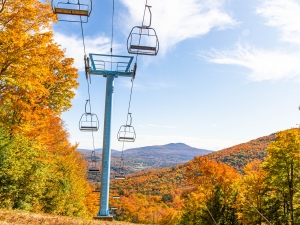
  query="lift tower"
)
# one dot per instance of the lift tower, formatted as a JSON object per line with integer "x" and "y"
{"x": 110, "y": 67}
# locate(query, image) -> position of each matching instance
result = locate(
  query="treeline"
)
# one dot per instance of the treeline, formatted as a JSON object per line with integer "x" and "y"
{"x": 209, "y": 192}
{"x": 39, "y": 169}
{"x": 239, "y": 155}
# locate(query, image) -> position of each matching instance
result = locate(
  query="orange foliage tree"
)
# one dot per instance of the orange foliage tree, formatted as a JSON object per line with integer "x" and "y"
{"x": 215, "y": 192}
{"x": 37, "y": 84}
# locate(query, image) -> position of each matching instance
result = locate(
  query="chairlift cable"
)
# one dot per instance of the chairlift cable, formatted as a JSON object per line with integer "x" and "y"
{"x": 211, "y": 215}
{"x": 112, "y": 27}
{"x": 82, "y": 36}
{"x": 88, "y": 85}
{"x": 131, "y": 89}
{"x": 112, "y": 34}
{"x": 136, "y": 59}
{"x": 111, "y": 51}
{"x": 256, "y": 209}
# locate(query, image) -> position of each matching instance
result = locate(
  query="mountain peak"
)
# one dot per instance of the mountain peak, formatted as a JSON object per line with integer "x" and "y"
{"x": 177, "y": 144}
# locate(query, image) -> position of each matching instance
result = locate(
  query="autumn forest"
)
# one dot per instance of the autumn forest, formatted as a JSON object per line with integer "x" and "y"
{"x": 40, "y": 171}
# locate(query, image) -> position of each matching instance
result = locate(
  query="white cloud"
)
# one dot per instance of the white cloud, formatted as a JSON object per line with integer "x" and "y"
{"x": 74, "y": 46}
{"x": 264, "y": 65}
{"x": 170, "y": 127}
{"x": 179, "y": 20}
{"x": 267, "y": 64}
{"x": 284, "y": 15}
{"x": 152, "y": 125}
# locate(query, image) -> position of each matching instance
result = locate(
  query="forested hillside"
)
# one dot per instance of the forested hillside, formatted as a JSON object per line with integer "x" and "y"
{"x": 207, "y": 191}
{"x": 39, "y": 169}
{"x": 239, "y": 156}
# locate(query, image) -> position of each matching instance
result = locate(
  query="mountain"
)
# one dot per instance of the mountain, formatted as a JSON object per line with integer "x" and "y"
{"x": 150, "y": 157}
{"x": 161, "y": 156}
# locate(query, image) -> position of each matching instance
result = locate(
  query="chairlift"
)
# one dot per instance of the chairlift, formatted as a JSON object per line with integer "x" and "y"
{"x": 93, "y": 158}
{"x": 71, "y": 9}
{"x": 126, "y": 132}
{"x": 143, "y": 40}
{"x": 121, "y": 175}
{"x": 88, "y": 121}
{"x": 93, "y": 167}
{"x": 93, "y": 171}
{"x": 93, "y": 175}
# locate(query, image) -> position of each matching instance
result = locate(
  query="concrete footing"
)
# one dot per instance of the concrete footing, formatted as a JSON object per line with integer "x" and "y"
{"x": 105, "y": 218}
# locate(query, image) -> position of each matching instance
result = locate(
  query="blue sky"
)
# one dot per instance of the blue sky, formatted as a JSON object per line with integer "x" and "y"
{"x": 227, "y": 71}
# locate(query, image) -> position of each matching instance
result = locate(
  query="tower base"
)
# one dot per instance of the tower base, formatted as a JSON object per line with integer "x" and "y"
{"x": 105, "y": 218}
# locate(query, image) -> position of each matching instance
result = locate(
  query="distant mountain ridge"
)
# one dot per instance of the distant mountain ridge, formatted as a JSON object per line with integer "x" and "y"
{"x": 150, "y": 157}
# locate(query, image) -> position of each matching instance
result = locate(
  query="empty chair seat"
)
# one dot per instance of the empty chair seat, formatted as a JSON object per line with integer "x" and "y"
{"x": 89, "y": 122}
{"x": 120, "y": 177}
{"x": 72, "y": 11}
{"x": 76, "y": 12}
{"x": 143, "y": 40}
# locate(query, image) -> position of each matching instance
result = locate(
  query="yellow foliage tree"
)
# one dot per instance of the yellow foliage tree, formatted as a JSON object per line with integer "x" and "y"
{"x": 35, "y": 76}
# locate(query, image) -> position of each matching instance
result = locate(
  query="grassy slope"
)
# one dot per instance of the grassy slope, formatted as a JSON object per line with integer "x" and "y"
{"x": 17, "y": 217}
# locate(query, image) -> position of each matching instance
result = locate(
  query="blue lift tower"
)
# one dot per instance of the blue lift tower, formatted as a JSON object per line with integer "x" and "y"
{"x": 109, "y": 66}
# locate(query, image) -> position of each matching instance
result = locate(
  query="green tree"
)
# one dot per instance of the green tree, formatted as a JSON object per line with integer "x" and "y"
{"x": 282, "y": 168}
{"x": 21, "y": 173}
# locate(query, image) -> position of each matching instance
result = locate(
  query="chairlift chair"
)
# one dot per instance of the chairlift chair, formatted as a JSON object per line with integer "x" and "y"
{"x": 88, "y": 121}
{"x": 93, "y": 158}
{"x": 93, "y": 167}
{"x": 72, "y": 9}
{"x": 126, "y": 132}
{"x": 120, "y": 177}
{"x": 143, "y": 40}
{"x": 93, "y": 171}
